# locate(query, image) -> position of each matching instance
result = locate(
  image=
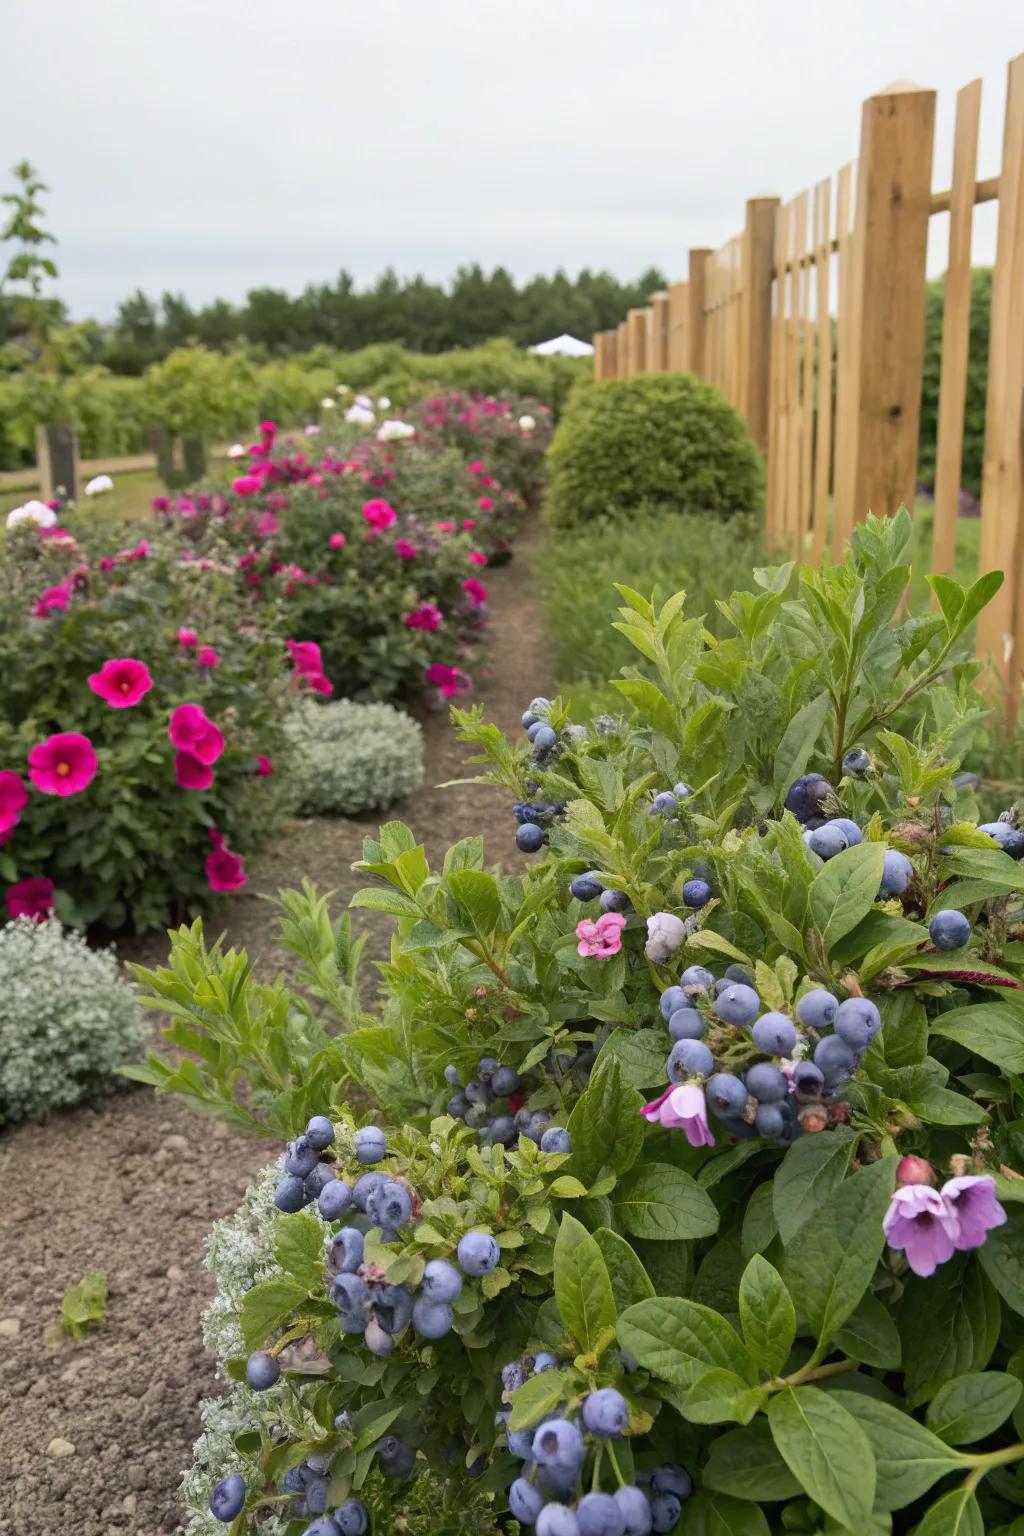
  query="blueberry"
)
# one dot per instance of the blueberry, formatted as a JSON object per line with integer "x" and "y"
{"x": 533, "y": 728}
{"x": 949, "y": 930}
{"x": 520, "y": 1443}
{"x": 586, "y": 888}
{"x": 826, "y": 841}
{"x": 766, "y": 1083}
{"x": 663, "y": 804}
{"x": 835, "y": 1059}
{"x": 478, "y": 1253}
{"x": 687, "y": 1024}
{"x": 635, "y": 1510}
{"x": 352, "y": 1518}
{"x": 529, "y": 838}
{"x": 441, "y": 1281}
{"x": 857, "y": 1023}
{"x": 458, "y": 1106}
{"x": 320, "y": 1132}
{"x": 556, "y": 1139}
{"x": 396, "y": 1458}
{"x": 817, "y": 1008}
{"x": 529, "y": 718}
{"x": 557, "y": 1520}
{"x": 672, "y": 1479}
{"x": 370, "y": 1144}
{"x": 775, "y": 1034}
{"x": 290, "y": 1194}
{"x": 614, "y": 901}
{"x": 503, "y": 1131}
{"x": 1010, "y": 840}
{"x": 513, "y": 1375}
{"x": 351, "y": 1295}
{"x": 322, "y": 1175}
{"x": 671, "y": 999}
{"x": 389, "y": 1205}
{"x": 544, "y": 1360}
{"x": 476, "y": 1092}
{"x": 597, "y": 1514}
{"x": 261, "y": 1370}
{"x": 605, "y": 1412}
{"x": 696, "y": 893}
{"x": 227, "y": 1499}
{"x": 806, "y": 796}
{"x": 849, "y": 829}
{"x": 539, "y": 705}
{"x": 696, "y": 979}
{"x": 739, "y": 973}
{"x": 558, "y": 1443}
{"x": 324, "y": 1526}
{"x": 689, "y": 1058}
{"x": 739, "y": 1004}
{"x": 476, "y": 1116}
{"x": 525, "y": 1501}
{"x": 726, "y": 1094}
{"x": 682, "y": 791}
{"x": 393, "y": 1306}
{"x": 346, "y": 1250}
{"x": 452, "y": 1076}
{"x": 666, "y": 1510}
{"x": 504, "y": 1081}
{"x": 543, "y": 737}
{"x": 365, "y": 1187}
{"x": 770, "y": 1120}
{"x": 432, "y": 1319}
{"x": 856, "y": 762}
{"x": 301, "y": 1157}
{"x": 808, "y": 1079}
{"x": 966, "y": 780}
{"x": 896, "y": 874}
{"x": 486, "y": 1068}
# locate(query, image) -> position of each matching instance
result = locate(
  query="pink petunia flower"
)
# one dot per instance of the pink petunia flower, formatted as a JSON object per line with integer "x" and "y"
{"x": 485, "y": 503}
{"x": 53, "y": 600}
{"x": 317, "y": 682}
{"x": 404, "y": 550}
{"x": 121, "y": 683}
{"x": 187, "y": 638}
{"x": 337, "y": 541}
{"x": 207, "y": 657}
{"x": 477, "y": 558}
{"x": 444, "y": 526}
{"x": 684, "y": 1108}
{"x": 971, "y": 1200}
{"x": 63, "y": 764}
{"x": 469, "y": 522}
{"x": 191, "y": 730}
{"x": 32, "y": 898}
{"x": 190, "y": 773}
{"x": 224, "y": 870}
{"x": 268, "y": 525}
{"x": 379, "y": 514}
{"x": 920, "y": 1223}
{"x": 476, "y": 467}
{"x": 597, "y": 941}
{"x": 306, "y": 656}
{"x": 264, "y": 767}
{"x": 475, "y": 590}
{"x": 247, "y": 485}
{"x": 426, "y": 616}
{"x": 13, "y": 799}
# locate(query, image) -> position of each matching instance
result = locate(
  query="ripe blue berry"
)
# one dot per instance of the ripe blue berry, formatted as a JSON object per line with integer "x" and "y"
{"x": 663, "y": 804}
{"x": 503, "y": 1131}
{"x": 672, "y": 1479}
{"x": 458, "y": 1106}
{"x": 378, "y": 1339}
{"x": 529, "y": 718}
{"x": 614, "y": 901}
{"x": 352, "y": 1518}
{"x": 1010, "y": 840}
{"x": 478, "y": 1253}
{"x": 817, "y": 1009}
{"x": 533, "y": 728}
{"x": 696, "y": 893}
{"x": 770, "y": 1120}
{"x": 370, "y": 1144}
{"x": 389, "y": 1205}
{"x": 396, "y": 1458}
{"x": 666, "y": 1510}
{"x": 738, "y": 1004}
{"x": 301, "y": 1157}
{"x": 635, "y": 1510}
{"x": 432, "y": 1319}
{"x": 557, "y": 1520}
{"x": 558, "y": 1443}
{"x": 520, "y": 1443}
{"x": 556, "y": 1139}
{"x": 290, "y": 1194}
{"x": 597, "y": 1514}
{"x": 322, "y": 1175}
{"x": 586, "y": 888}
{"x": 857, "y": 1022}
{"x": 525, "y": 1501}
{"x": 775, "y": 1034}
{"x": 766, "y": 1083}
{"x": 346, "y": 1250}
{"x": 605, "y": 1412}
{"x": 835, "y": 1059}
{"x": 543, "y": 737}
{"x": 739, "y": 973}
{"x": 364, "y": 1188}
{"x": 806, "y": 796}
{"x": 671, "y": 999}
{"x": 351, "y": 1294}
{"x": 529, "y": 837}
{"x": 896, "y": 874}
{"x": 687, "y": 1024}
{"x": 227, "y": 1500}
{"x": 261, "y": 1370}
{"x": 726, "y": 1094}
{"x": 826, "y": 841}
{"x": 808, "y": 1079}
{"x": 849, "y": 829}
{"x": 689, "y": 1058}
{"x": 504, "y": 1081}
{"x": 320, "y": 1132}
{"x": 513, "y": 1375}
{"x": 696, "y": 979}
{"x": 324, "y": 1526}
{"x": 949, "y": 930}
{"x": 441, "y": 1281}
{"x": 539, "y": 705}
{"x": 452, "y": 1076}
{"x": 856, "y": 762}
{"x": 543, "y": 1360}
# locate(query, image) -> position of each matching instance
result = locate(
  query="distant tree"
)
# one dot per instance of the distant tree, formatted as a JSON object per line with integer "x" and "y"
{"x": 28, "y": 315}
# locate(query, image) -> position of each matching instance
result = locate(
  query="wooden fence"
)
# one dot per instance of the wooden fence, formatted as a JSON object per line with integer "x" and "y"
{"x": 812, "y": 323}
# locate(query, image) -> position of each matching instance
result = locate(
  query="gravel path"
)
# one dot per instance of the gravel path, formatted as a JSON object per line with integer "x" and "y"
{"x": 94, "y": 1435}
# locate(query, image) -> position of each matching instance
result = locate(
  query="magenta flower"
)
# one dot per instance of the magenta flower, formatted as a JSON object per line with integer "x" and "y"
{"x": 477, "y": 558}
{"x": 121, "y": 683}
{"x": 53, "y": 600}
{"x": 426, "y": 616}
{"x": 207, "y": 657}
{"x": 247, "y": 485}
{"x": 264, "y": 767}
{"x": 306, "y": 656}
{"x": 682, "y": 1108}
{"x": 485, "y": 503}
{"x": 379, "y": 514}
{"x": 224, "y": 870}
{"x": 31, "y": 898}
{"x": 317, "y": 682}
{"x": 13, "y": 799}
{"x": 449, "y": 679}
{"x": 475, "y": 590}
{"x": 191, "y": 730}
{"x": 404, "y": 550}
{"x": 476, "y": 467}
{"x": 597, "y": 941}
{"x": 63, "y": 764}
{"x": 337, "y": 541}
{"x": 920, "y": 1223}
{"x": 190, "y": 772}
{"x": 187, "y": 638}
{"x": 469, "y": 522}
{"x": 971, "y": 1200}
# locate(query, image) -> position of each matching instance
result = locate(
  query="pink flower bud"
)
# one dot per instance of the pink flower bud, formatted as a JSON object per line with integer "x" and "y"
{"x": 914, "y": 1170}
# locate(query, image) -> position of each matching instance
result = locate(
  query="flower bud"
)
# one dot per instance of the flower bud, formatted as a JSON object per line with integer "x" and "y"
{"x": 914, "y": 1170}
{"x": 665, "y": 933}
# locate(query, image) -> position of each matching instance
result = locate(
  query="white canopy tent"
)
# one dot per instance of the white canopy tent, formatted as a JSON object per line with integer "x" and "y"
{"x": 564, "y": 346}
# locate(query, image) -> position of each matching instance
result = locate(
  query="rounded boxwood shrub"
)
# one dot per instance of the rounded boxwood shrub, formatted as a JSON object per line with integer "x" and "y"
{"x": 665, "y": 438}
{"x": 67, "y": 1020}
{"x": 353, "y": 757}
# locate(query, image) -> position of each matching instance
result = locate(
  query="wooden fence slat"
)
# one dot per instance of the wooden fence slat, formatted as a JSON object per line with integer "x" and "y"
{"x": 823, "y": 419}
{"x": 696, "y": 322}
{"x": 846, "y": 408}
{"x": 797, "y": 241}
{"x": 622, "y": 351}
{"x": 678, "y": 310}
{"x": 956, "y": 331}
{"x": 657, "y": 359}
{"x": 756, "y": 314}
{"x": 774, "y": 532}
{"x": 807, "y": 339}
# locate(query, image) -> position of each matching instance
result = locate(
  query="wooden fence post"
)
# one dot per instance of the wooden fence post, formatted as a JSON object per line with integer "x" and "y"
{"x": 657, "y": 352}
{"x": 622, "y": 350}
{"x": 636, "y": 322}
{"x": 57, "y": 459}
{"x": 696, "y": 320}
{"x": 678, "y": 312}
{"x": 1001, "y": 624}
{"x": 758, "y": 261}
{"x": 894, "y": 187}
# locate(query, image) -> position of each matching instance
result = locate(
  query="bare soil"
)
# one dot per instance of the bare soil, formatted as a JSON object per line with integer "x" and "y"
{"x": 94, "y": 1435}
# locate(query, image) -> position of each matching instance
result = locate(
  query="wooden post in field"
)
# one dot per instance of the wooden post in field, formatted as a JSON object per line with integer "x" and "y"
{"x": 57, "y": 460}
{"x": 657, "y": 359}
{"x": 622, "y": 350}
{"x": 696, "y": 322}
{"x": 636, "y": 323}
{"x": 678, "y": 315}
{"x": 757, "y": 262}
{"x": 894, "y": 184}
{"x": 1001, "y": 624}
{"x": 604, "y": 354}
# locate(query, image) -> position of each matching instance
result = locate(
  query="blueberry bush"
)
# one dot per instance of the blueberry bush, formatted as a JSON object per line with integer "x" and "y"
{"x": 678, "y": 1183}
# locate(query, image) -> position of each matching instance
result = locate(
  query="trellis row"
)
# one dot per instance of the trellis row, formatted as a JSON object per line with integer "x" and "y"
{"x": 811, "y": 321}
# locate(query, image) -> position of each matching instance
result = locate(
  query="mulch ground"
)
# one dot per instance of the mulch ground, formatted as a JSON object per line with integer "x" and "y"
{"x": 94, "y": 1435}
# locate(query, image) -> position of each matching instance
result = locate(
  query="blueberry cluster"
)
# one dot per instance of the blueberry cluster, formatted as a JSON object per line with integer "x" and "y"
{"x": 539, "y": 732}
{"x": 533, "y": 818}
{"x": 494, "y": 1103}
{"x": 589, "y": 888}
{"x": 546, "y": 1494}
{"x": 310, "y": 1482}
{"x": 665, "y": 801}
{"x": 306, "y": 1174}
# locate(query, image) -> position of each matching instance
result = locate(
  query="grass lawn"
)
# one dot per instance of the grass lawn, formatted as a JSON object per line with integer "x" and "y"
{"x": 129, "y": 501}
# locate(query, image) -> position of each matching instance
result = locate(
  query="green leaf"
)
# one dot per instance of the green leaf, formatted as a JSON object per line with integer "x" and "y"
{"x": 870, "y": 1335}
{"x": 793, "y": 752}
{"x": 267, "y": 1307}
{"x": 659, "y": 1201}
{"x": 908, "y": 1457}
{"x": 583, "y": 1290}
{"x": 537, "y": 1397}
{"x": 827, "y": 1451}
{"x": 476, "y": 893}
{"x": 606, "y": 1125}
{"x": 830, "y": 1262}
{"x": 679, "y": 1340}
{"x": 374, "y": 899}
{"x": 721, "y": 1397}
{"x": 971, "y": 1407}
{"x": 955, "y": 1514}
{"x": 84, "y": 1306}
{"x": 844, "y": 891}
{"x": 299, "y": 1248}
{"x": 993, "y": 1029}
{"x": 949, "y": 1324}
{"x": 746, "y": 1464}
{"x": 812, "y": 1168}
{"x": 767, "y": 1315}
{"x": 629, "y": 1279}
{"x": 640, "y": 1054}
{"x": 715, "y": 1514}
{"x": 1002, "y": 1258}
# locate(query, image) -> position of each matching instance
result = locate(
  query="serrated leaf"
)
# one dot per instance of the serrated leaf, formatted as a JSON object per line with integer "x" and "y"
{"x": 830, "y": 1262}
{"x": 299, "y": 1247}
{"x": 266, "y": 1307}
{"x": 844, "y": 891}
{"x": 657, "y": 1200}
{"x": 827, "y": 1451}
{"x": 767, "y": 1315}
{"x": 583, "y": 1289}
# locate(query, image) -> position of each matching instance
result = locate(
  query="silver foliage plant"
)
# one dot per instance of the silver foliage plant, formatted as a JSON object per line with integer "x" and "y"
{"x": 353, "y": 757}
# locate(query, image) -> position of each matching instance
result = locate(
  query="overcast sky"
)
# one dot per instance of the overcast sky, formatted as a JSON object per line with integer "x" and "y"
{"x": 210, "y": 146}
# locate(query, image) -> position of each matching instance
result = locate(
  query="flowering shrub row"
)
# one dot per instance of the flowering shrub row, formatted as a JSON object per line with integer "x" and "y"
{"x": 695, "y": 1196}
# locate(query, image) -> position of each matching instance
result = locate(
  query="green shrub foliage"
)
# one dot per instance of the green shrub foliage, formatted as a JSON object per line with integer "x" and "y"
{"x": 794, "y": 1278}
{"x": 349, "y": 758}
{"x": 661, "y": 439}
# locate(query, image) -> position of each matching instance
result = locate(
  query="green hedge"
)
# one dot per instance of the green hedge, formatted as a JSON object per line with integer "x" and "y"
{"x": 663, "y": 439}
{"x": 977, "y": 378}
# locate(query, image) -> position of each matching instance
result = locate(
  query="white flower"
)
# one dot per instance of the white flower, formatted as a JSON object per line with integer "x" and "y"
{"x": 327, "y": 404}
{"x": 312, "y": 430}
{"x": 395, "y": 429}
{"x": 342, "y": 389}
{"x": 361, "y": 415}
{"x": 383, "y": 402}
{"x": 526, "y": 423}
{"x": 32, "y": 512}
{"x": 665, "y": 933}
{"x": 99, "y": 485}
{"x": 236, "y": 451}
{"x": 364, "y": 400}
